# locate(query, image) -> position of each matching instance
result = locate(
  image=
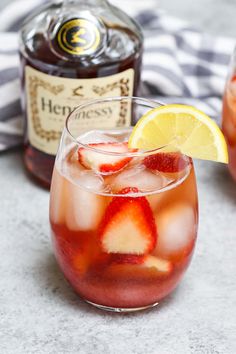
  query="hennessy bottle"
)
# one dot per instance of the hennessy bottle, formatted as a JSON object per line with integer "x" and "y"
{"x": 72, "y": 51}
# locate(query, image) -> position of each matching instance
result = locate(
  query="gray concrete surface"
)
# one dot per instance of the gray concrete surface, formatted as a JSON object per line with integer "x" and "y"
{"x": 41, "y": 314}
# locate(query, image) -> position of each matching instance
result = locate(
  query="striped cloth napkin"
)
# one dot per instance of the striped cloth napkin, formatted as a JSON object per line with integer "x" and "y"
{"x": 180, "y": 65}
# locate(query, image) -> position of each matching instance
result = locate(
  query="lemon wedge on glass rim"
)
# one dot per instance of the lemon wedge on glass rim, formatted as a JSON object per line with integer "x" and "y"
{"x": 180, "y": 128}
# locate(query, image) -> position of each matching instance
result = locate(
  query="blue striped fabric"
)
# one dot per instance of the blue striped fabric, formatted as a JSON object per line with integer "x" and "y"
{"x": 181, "y": 64}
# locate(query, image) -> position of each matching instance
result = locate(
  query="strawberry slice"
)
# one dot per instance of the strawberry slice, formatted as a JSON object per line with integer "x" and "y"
{"x": 161, "y": 265}
{"x": 128, "y": 226}
{"x": 166, "y": 162}
{"x": 127, "y": 259}
{"x": 104, "y": 163}
{"x": 148, "y": 261}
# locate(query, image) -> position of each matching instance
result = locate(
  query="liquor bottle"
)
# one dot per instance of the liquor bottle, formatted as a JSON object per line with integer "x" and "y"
{"x": 72, "y": 51}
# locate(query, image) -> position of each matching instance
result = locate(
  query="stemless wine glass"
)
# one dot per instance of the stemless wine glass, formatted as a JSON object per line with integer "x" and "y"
{"x": 124, "y": 222}
{"x": 229, "y": 114}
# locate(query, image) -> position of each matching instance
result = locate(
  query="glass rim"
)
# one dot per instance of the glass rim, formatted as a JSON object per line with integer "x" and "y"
{"x": 152, "y": 103}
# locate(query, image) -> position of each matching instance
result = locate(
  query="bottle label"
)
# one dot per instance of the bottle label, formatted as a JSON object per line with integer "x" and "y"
{"x": 50, "y": 99}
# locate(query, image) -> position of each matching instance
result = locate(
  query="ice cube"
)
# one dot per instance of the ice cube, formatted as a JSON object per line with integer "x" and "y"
{"x": 85, "y": 207}
{"x": 89, "y": 180}
{"x": 136, "y": 161}
{"x": 139, "y": 177}
{"x": 70, "y": 166}
{"x": 97, "y": 136}
{"x": 176, "y": 227}
{"x": 57, "y": 198}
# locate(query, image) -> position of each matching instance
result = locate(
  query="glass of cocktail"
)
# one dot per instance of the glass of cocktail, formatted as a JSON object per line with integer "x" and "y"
{"x": 123, "y": 218}
{"x": 229, "y": 115}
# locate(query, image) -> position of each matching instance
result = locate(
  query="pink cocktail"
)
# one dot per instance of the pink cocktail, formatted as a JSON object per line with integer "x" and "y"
{"x": 124, "y": 222}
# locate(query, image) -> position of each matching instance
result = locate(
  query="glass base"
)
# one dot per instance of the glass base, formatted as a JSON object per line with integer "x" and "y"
{"x": 122, "y": 310}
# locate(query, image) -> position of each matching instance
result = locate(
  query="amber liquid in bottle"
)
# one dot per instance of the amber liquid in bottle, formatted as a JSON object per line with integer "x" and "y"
{"x": 123, "y": 51}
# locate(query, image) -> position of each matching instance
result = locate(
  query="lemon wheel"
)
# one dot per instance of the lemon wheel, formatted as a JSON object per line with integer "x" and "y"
{"x": 182, "y": 128}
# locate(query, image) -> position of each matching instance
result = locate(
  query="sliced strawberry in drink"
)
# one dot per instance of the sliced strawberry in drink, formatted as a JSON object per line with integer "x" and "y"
{"x": 127, "y": 259}
{"x": 128, "y": 226}
{"x": 166, "y": 162}
{"x": 147, "y": 261}
{"x": 161, "y": 265}
{"x": 129, "y": 190}
{"x": 102, "y": 162}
